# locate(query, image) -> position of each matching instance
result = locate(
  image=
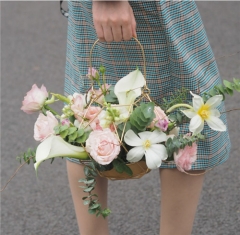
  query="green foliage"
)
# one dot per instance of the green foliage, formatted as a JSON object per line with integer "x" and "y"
{"x": 27, "y": 156}
{"x": 176, "y": 143}
{"x": 178, "y": 117}
{"x": 120, "y": 128}
{"x": 223, "y": 89}
{"x": 121, "y": 166}
{"x": 94, "y": 207}
{"x": 142, "y": 116}
{"x": 178, "y": 97}
{"x": 110, "y": 97}
{"x": 71, "y": 134}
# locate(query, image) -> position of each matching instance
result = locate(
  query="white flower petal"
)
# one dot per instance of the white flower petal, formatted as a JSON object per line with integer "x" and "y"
{"x": 55, "y": 146}
{"x": 195, "y": 96}
{"x": 216, "y": 124}
{"x": 129, "y": 87}
{"x": 196, "y": 124}
{"x": 197, "y": 103}
{"x": 145, "y": 135}
{"x": 189, "y": 113}
{"x": 135, "y": 154}
{"x": 214, "y": 101}
{"x": 157, "y": 137}
{"x": 174, "y": 131}
{"x": 132, "y": 139}
{"x": 214, "y": 112}
{"x": 154, "y": 156}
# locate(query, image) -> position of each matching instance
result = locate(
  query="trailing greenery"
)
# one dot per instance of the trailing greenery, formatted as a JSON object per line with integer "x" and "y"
{"x": 71, "y": 134}
{"x": 142, "y": 116}
{"x": 27, "y": 156}
{"x": 176, "y": 143}
{"x": 94, "y": 207}
{"x": 223, "y": 89}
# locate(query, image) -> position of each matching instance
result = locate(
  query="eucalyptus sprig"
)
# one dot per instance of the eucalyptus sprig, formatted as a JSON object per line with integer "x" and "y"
{"x": 227, "y": 88}
{"x": 94, "y": 207}
{"x": 180, "y": 142}
{"x": 27, "y": 156}
{"x": 71, "y": 134}
{"x": 179, "y": 96}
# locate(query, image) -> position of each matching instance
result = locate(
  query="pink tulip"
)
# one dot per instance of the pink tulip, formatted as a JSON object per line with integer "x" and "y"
{"x": 34, "y": 100}
{"x": 44, "y": 126}
{"x": 161, "y": 120}
{"x": 186, "y": 157}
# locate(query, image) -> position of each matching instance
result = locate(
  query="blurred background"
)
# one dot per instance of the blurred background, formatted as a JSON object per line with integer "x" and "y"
{"x": 33, "y": 47}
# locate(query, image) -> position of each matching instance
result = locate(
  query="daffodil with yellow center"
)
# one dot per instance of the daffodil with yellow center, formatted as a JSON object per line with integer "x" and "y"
{"x": 146, "y": 143}
{"x": 201, "y": 112}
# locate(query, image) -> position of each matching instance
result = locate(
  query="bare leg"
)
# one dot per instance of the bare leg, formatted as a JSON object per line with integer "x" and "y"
{"x": 88, "y": 224}
{"x": 179, "y": 200}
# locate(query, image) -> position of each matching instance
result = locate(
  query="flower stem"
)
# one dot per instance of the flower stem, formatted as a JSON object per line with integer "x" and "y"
{"x": 51, "y": 110}
{"x": 177, "y": 106}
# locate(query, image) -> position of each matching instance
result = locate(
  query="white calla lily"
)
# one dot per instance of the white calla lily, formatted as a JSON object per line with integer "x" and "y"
{"x": 55, "y": 146}
{"x": 147, "y": 143}
{"x": 128, "y": 88}
{"x": 201, "y": 112}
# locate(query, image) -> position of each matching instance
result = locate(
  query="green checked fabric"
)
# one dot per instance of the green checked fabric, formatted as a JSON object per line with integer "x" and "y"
{"x": 177, "y": 54}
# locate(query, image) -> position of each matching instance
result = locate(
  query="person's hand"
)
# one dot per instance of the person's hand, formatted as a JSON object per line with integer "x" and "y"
{"x": 113, "y": 20}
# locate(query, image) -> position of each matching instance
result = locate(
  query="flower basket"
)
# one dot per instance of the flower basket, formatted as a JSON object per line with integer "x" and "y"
{"x": 118, "y": 131}
{"x": 139, "y": 169}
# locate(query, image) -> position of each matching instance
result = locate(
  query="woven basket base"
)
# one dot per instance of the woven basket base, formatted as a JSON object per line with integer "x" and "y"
{"x": 139, "y": 169}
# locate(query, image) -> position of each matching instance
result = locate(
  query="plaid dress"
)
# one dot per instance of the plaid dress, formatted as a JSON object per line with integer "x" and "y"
{"x": 177, "y": 55}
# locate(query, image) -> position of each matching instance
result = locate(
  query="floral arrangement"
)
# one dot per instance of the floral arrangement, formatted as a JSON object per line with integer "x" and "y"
{"x": 114, "y": 126}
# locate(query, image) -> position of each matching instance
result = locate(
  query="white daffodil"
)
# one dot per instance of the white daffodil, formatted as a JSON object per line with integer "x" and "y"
{"x": 147, "y": 144}
{"x": 55, "y": 146}
{"x": 128, "y": 88}
{"x": 201, "y": 112}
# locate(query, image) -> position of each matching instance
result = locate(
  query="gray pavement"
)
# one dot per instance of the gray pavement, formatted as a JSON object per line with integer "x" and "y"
{"x": 33, "y": 50}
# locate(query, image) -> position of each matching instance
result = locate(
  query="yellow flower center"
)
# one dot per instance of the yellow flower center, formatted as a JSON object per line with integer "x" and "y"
{"x": 146, "y": 144}
{"x": 204, "y": 111}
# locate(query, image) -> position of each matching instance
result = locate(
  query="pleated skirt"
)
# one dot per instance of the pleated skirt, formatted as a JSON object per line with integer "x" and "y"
{"x": 177, "y": 53}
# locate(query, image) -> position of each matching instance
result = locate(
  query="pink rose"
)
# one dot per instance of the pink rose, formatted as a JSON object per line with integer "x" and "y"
{"x": 78, "y": 104}
{"x": 44, "y": 126}
{"x": 92, "y": 115}
{"x": 186, "y": 157}
{"x": 34, "y": 100}
{"x": 98, "y": 93}
{"x": 103, "y": 146}
{"x": 161, "y": 120}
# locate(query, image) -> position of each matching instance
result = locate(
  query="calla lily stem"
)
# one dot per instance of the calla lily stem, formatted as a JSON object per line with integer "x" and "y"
{"x": 177, "y": 106}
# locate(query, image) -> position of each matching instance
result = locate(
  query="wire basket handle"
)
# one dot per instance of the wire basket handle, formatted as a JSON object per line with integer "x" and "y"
{"x": 145, "y": 89}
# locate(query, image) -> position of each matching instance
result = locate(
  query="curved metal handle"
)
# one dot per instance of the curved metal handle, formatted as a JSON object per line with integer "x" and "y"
{"x": 145, "y": 90}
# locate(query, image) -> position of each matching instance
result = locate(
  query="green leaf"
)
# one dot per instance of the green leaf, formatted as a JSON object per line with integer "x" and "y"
{"x": 57, "y": 129}
{"x": 71, "y": 130}
{"x": 63, "y": 128}
{"x": 86, "y": 202}
{"x": 228, "y": 84}
{"x": 92, "y": 211}
{"x": 80, "y": 132}
{"x": 72, "y": 137}
{"x": 119, "y": 166}
{"x": 64, "y": 134}
{"x": 94, "y": 206}
{"x": 89, "y": 189}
